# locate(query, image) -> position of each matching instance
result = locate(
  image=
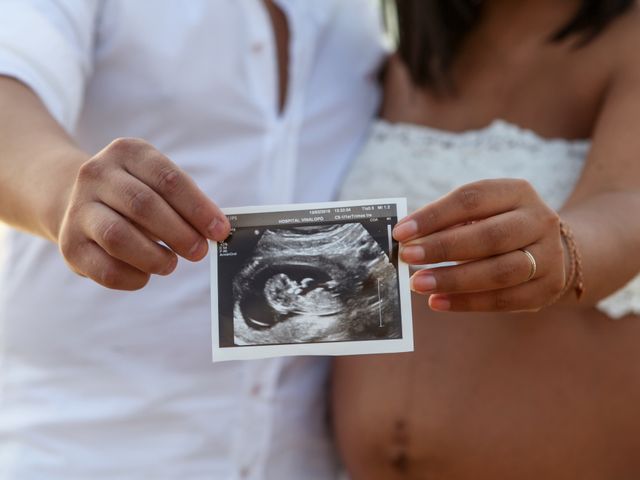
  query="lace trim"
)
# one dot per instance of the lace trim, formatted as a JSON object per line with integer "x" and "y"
{"x": 623, "y": 302}
{"x": 496, "y": 136}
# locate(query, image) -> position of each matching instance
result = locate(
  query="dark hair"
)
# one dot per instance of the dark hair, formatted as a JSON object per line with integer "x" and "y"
{"x": 431, "y": 32}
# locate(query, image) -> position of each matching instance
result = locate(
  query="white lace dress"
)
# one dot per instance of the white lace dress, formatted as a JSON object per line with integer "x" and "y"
{"x": 423, "y": 164}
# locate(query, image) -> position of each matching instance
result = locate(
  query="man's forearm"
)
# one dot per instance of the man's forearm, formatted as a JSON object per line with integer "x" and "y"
{"x": 107, "y": 211}
{"x": 38, "y": 162}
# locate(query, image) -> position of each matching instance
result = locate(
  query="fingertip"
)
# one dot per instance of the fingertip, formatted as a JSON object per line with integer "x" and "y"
{"x": 227, "y": 224}
{"x": 198, "y": 251}
{"x": 205, "y": 251}
{"x": 439, "y": 303}
{"x": 412, "y": 254}
{"x": 171, "y": 266}
{"x": 423, "y": 282}
{"x": 219, "y": 229}
{"x": 405, "y": 229}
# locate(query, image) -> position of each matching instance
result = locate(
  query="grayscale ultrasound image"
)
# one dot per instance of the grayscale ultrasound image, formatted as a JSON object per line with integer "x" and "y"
{"x": 307, "y": 284}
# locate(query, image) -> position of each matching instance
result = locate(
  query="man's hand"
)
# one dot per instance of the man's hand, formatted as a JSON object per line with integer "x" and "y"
{"x": 127, "y": 199}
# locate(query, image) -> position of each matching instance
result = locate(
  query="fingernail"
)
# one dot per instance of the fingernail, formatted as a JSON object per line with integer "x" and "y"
{"x": 413, "y": 253}
{"x": 196, "y": 248}
{"x": 171, "y": 267}
{"x": 405, "y": 230}
{"x": 217, "y": 230}
{"x": 425, "y": 282}
{"x": 439, "y": 303}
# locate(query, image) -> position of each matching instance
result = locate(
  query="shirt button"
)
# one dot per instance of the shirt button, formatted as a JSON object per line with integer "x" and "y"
{"x": 245, "y": 472}
{"x": 257, "y": 47}
{"x": 256, "y": 390}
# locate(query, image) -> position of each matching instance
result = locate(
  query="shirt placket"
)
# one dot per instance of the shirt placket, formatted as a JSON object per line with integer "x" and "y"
{"x": 276, "y": 183}
{"x": 256, "y": 411}
{"x": 277, "y": 173}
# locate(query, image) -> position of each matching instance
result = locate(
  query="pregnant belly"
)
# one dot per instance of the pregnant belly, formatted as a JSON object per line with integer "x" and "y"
{"x": 550, "y": 395}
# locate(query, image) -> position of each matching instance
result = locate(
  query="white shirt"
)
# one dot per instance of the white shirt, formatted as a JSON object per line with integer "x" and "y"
{"x": 98, "y": 384}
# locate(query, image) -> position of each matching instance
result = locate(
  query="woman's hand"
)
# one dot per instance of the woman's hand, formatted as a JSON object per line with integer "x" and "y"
{"x": 486, "y": 225}
{"x": 125, "y": 199}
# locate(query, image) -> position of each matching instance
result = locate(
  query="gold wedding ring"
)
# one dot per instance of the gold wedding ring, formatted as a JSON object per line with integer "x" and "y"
{"x": 532, "y": 261}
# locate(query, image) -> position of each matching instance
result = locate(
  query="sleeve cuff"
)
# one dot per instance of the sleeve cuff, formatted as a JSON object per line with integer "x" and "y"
{"x": 34, "y": 52}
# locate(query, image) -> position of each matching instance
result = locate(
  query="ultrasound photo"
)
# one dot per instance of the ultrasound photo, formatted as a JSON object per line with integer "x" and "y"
{"x": 314, "y": 279}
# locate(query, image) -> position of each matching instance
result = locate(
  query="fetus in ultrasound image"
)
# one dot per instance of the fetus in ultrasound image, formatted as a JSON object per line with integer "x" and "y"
{"x": 307, "y": 284}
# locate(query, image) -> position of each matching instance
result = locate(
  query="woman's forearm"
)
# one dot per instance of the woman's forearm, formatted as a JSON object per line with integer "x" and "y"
{"x": 606, "y": 227}
{"x": 38, "y": 162}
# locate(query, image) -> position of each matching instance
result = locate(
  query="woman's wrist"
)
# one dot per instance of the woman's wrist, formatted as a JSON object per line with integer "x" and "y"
{"x": 574, "y": 282}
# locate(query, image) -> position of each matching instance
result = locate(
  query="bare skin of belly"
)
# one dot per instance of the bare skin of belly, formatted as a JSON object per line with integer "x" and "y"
{"x": 551, "y": 395}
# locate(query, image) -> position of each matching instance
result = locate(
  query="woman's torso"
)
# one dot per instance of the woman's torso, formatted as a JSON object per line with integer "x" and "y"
{"x": 484, "y": 395}
{"x": 478, "y": 384}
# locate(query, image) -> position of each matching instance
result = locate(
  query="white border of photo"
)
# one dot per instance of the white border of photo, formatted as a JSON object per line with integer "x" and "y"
{"x": 251, "y": 352}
